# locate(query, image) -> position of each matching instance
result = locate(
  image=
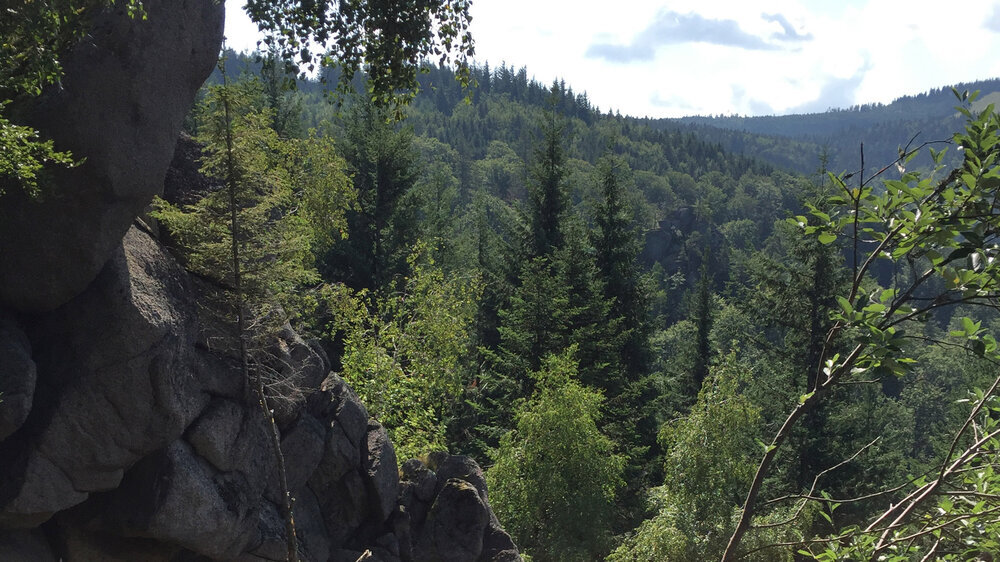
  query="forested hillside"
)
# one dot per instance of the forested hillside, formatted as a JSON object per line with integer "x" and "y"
{"x": 633, "y": 323}
{"x": 446, "y": 312}
{"x": 832, "y": 140}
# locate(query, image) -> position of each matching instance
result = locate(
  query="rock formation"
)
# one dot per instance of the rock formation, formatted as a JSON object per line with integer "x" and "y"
{"x": 124, "y": 431}
{"x": 120, "y": 105}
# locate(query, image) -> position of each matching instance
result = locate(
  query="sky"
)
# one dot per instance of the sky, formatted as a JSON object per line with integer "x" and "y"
{"x": 671, "y": 58}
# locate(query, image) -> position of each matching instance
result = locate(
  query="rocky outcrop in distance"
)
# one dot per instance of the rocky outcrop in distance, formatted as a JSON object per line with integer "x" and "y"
{"x": 125, "y": 433}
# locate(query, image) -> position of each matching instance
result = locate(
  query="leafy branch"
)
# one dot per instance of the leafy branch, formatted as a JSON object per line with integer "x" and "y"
{"x": 948, "y": 229}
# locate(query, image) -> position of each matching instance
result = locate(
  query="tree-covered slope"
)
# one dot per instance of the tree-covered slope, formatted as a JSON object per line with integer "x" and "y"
{"x": 545, "y": 287}
{"x": 799, "y": 142}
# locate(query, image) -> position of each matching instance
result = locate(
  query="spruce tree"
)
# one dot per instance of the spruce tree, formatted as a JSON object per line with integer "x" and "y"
{"x": 616, "y": 246}
{"x": 589, "y": 323}
{"x": 701, "y": 316}
{"x": 248, "y": 238}
{"x": 277, "y": 77}
{"x": 532, "y": 326}
{"x": 547, "y": 193}
{"x": 631, "y": 418}
{"x": 382, "y": 226}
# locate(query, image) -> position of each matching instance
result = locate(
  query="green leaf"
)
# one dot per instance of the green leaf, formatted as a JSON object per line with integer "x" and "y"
{"x": 846, "y": 306}
{"x": 875, "y": 308}
{"x": 970, "y": 327}
{"x": 826, "y": 237}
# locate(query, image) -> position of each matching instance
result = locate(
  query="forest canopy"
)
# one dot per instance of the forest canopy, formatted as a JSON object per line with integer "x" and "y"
{"x": 691, "y": 296}
{"x": 660, "y": 349}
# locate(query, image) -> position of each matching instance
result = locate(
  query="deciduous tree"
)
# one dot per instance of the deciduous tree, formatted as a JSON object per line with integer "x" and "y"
{"x": 555, "y": 475}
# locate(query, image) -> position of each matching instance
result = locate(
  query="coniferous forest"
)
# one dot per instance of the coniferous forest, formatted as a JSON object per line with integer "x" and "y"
{"x": 621, "y": 318}
{"x": 697, "y": 339}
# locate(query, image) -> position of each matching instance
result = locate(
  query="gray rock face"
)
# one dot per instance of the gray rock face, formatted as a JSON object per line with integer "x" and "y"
{"x": 17, "y": 376}
{"x": 117, "y": 389}
{"x": 303, "y": 444}
{"x": 455, "y": 525}
{"x": 124, "y": 432}
{"x": 381, "y": 471}
{"x": 223, "y": 435}
{"x": 144, "y": 432}
{"x": 449, "y": 514}
{"x": 309, "y": 526}
{"x": 90, "y": 546}
{"x": 464, "y": 469}
{"x": 340, "y": 489}
{"x": 176, "y": 497}
{"x": 124, "y": 96}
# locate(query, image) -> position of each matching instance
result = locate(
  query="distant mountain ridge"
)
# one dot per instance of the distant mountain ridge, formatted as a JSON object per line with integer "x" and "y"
{"x": 796, "y": 142}
{"x": 799, "y": 143}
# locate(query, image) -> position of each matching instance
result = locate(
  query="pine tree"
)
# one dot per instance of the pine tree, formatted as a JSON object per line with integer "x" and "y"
{"x": 793, "y": 292}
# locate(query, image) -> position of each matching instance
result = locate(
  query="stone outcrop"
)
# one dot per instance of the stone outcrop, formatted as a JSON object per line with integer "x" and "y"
{"x": 115, "y": 384}
{"x": 17, "y": 376}
{"x": 449, "y": 512}
{"x": 120, "y": 105}
{"x": 677, "y": 245}
{"x": 125, "y": 430}
{"x": 138, "y": 441}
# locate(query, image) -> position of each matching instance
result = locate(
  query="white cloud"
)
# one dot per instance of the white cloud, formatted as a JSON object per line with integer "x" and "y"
{"x": 902, "y": 48}
{"x": 241, "y": 33}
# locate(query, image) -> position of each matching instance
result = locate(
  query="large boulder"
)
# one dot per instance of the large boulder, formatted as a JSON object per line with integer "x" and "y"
{"x": 114, "y": 385}
{"x": 120, "y": 106}
{"x": 449, "y": 517}
{"x": 455, "y": 526}
{"x": 339, "y": 481}
{"x": 381, "y": 471}
{"x": 177, "y": 498}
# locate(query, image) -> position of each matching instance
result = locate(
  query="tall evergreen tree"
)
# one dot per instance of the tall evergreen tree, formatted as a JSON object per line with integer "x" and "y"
{"x": 277, "y": 76}
{"x": 632, "y": 419}
{"x": 532, "y": 326}
{"x": 794, "y": 291}
{"x": 616, "y": 246}
{"x": 382, "y": 227}
{"x": 589, "y": 322}
{"x": 701, "y": 315}
{"x": 548, "y": 197}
